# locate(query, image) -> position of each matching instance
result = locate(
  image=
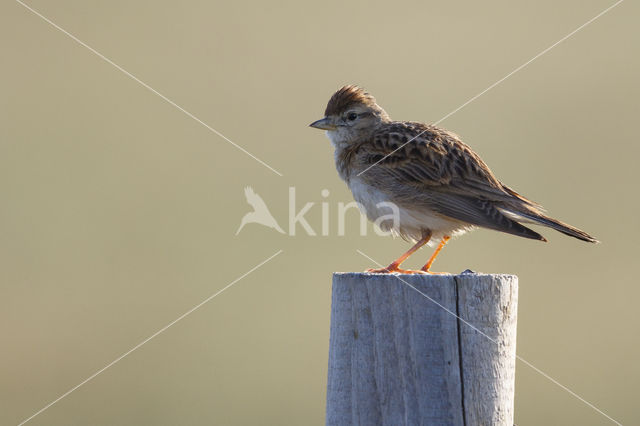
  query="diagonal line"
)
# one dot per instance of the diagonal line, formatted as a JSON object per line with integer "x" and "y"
{"x": 528, "y": 62}
{"x": 536, "y": 369}
{"x": 497, "y": 83}
{"x": 145, "y": 85}
{"x": 163, "y": 329}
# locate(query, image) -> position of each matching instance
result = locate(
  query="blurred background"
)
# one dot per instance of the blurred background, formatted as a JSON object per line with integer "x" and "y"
{"x": 119, "y": 212}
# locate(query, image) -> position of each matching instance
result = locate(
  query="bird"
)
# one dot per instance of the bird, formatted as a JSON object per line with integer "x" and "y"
{"x": 260, "y": 213}
{"x": 439, "y": 186}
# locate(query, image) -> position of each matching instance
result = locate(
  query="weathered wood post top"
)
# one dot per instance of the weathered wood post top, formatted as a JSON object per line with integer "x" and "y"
{"x": 422, "y": 349}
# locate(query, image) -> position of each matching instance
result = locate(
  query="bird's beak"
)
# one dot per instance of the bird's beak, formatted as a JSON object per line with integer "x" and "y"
{"x": 323, "y": 124}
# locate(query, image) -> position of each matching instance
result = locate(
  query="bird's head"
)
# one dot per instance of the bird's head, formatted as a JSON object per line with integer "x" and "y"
{"x": 351, "y": 115}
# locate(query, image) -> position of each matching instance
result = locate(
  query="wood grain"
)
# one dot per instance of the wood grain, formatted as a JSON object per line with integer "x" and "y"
{"x": 422, "y": 349}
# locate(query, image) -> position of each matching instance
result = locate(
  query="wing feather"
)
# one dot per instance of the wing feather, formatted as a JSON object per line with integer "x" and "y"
{"x": 439, "y": 172}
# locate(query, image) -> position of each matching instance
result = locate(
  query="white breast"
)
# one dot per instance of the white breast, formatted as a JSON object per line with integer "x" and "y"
{"x": 410, "y": 222}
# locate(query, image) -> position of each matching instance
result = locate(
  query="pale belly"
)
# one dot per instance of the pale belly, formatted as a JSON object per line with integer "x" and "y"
{"x": 405, "y": 222}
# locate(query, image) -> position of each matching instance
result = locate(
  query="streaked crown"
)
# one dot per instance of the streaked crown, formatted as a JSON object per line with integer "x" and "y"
{"x": 347, "y": 97}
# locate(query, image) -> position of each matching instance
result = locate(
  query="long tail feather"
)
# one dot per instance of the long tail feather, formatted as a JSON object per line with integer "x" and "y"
{"x": 554, "y": 224}
{"x": 520, "y": 230}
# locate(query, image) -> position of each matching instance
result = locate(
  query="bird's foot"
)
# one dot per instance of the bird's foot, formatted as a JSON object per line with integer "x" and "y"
{"x": 426, "y": 271}
{"x": 389, "y": 270}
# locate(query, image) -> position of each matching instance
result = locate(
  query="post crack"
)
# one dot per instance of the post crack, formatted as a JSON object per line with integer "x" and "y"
{"x": 464, "y": 411}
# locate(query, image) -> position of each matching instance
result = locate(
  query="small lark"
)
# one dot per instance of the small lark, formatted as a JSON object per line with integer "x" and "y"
{"x": 440, "y": 186}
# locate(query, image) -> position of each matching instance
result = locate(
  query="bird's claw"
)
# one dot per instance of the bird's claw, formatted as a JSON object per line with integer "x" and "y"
{"x": 396, "y": 270}
{"x": 388, "y": 270}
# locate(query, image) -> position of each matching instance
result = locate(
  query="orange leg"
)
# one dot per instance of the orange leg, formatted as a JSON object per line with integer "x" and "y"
{"x": 426, "y": 267}
{"x": 394, "y": 266}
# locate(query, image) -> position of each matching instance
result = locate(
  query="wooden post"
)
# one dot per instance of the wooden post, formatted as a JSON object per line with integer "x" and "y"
{"x": 443, "y": 357}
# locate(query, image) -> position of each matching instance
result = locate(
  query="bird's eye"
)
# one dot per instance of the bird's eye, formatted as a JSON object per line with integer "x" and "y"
{"x": 352, "y": 116}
